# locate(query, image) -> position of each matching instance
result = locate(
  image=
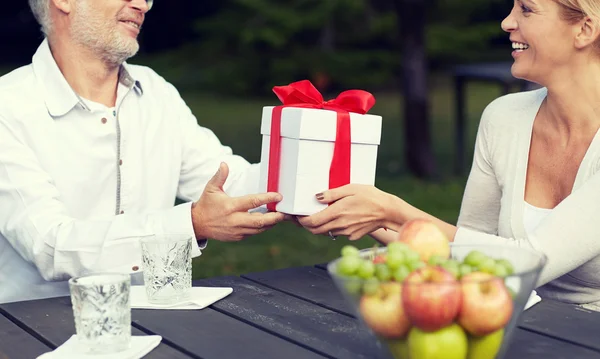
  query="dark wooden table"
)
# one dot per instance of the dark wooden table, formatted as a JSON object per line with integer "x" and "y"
{"x": 288, "y": 313}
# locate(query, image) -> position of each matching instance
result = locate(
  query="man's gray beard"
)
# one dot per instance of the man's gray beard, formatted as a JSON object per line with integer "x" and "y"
{"x": 111, "y": 46}
{"x": 112, "y": 50}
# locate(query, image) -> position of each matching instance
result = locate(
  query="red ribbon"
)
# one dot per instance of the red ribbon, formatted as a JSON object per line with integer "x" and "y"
{"x": 303, "y": 94}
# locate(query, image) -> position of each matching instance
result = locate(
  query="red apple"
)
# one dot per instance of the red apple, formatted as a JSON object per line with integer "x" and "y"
{"x": 426, "y": 238}
{"x": 487, "y": 304}
{"x": 383, "y": 311}
{"x": 432, "y": 298}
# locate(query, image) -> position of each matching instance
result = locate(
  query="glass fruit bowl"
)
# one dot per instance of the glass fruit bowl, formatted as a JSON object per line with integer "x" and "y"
{"x": 462, "y": 304}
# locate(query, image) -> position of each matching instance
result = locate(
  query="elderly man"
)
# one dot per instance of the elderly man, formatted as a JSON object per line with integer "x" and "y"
{"x": 94, "y": 151}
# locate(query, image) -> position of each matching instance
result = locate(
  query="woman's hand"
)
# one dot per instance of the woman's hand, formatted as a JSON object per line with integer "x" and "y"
{"x": 354, "y": 211}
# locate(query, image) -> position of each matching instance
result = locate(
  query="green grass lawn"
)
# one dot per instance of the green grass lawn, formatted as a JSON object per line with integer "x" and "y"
{"x": 236, "y": 121}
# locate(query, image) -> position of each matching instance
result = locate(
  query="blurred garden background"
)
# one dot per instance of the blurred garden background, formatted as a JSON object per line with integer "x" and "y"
{"x": 224, "y": 56}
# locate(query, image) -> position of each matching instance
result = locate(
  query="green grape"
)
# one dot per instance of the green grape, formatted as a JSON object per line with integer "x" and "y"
{"x": 488, "y": 265}
{"x": 500, "y": 271}
{"x": 436, "y": 260}
{"x": 350, "y": 250}
{"x": 353, "y": 285}
{"x": 416, "y": 265}
{"x": 401, "y": 273}
{"x": 348, "y": 265}
{"x": 370, "y": 286}
{"x": 454, "y": 271}
{"x": 411, "y": 256}
{"x": 366, "y": 269}
{"x": 464, "y": 269}
{"x": 452, "y": 263}
{"x": 506, "y": 264}
{"x": 395, "y": 259}
{"x": 452, "y": 267}
{"x": 474, "y": 258}
{"x": 397, "y": 247}
{"x": 383, "y": 272}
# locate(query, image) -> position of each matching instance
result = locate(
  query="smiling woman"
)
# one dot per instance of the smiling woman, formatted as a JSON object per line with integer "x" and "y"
{"x": 535, "y": 178}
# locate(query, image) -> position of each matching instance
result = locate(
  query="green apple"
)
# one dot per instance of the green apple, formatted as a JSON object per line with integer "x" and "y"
{"x": 449, "y": 342}
{"x": 485, "y": 347}
{"x": 398, "y": 348}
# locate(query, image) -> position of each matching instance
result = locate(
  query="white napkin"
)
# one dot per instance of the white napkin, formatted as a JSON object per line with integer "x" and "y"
{"x": 71, "y": 349}
{"x": 533, "y": 299}
{"x": 200, "y": 297}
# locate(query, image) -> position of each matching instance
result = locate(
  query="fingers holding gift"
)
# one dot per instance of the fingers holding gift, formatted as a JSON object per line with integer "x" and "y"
{"x": 342, "y": 227}
{"x": 336, "y": 194}
{"x": 249, "y": 202}
{"x": 260, "y": 222}
{"x": 354, "y": 232}
{"x": 243, "y": 225}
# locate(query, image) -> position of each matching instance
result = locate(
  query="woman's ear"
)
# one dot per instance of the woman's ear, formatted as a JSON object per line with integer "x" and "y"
{"x": 587, "y": 34}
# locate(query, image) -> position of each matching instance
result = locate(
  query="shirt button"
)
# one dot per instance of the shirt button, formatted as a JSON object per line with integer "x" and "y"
{"x": 103, "y": 120}
{"x": 135, "y": 268}
{"x": 120, "y": 162}
{"x": 122, "y": 212}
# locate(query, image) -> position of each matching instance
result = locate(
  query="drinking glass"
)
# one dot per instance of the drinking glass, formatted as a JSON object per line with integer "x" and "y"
{"x": 102, "y": 311}
{"x": 167, "y": 262}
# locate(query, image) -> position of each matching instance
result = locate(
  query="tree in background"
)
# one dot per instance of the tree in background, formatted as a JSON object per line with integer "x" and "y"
{"x": 245, "y": 47}
{"x": 419, "y": 153}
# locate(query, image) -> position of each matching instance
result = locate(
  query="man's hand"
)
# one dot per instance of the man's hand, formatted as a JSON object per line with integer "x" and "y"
{"x": 217, "y": 216}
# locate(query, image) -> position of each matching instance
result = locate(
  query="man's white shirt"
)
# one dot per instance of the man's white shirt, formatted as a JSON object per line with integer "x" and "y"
{"x": 81, "y": 183}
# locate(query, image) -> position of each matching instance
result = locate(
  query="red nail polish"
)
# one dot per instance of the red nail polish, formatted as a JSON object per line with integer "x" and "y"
{"x": 320, "y": 196}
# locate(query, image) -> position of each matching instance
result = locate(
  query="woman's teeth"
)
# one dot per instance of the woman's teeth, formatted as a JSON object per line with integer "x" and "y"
{"x": 519, "y": 46}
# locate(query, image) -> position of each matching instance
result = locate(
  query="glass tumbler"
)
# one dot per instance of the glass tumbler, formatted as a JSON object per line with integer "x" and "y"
{"x": 167, "y": 262}
{"x": 102, "y": 311}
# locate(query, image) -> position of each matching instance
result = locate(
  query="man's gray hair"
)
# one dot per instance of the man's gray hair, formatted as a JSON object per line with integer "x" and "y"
{"x": 41, "y": 11}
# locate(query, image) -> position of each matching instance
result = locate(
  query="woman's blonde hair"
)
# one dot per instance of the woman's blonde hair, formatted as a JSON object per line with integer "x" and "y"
{"x": 576, "y": 10}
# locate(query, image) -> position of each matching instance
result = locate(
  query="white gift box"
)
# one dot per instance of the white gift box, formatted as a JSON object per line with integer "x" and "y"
{"x": 307, "y": 143}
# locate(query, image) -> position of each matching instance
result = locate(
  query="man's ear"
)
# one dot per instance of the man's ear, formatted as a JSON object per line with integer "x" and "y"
{"x": 66, "y": 6}
{"x": 587, "y": 33}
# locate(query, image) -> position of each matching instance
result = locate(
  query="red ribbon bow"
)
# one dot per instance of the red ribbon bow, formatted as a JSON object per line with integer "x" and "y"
{"x": 303, "y": 94}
